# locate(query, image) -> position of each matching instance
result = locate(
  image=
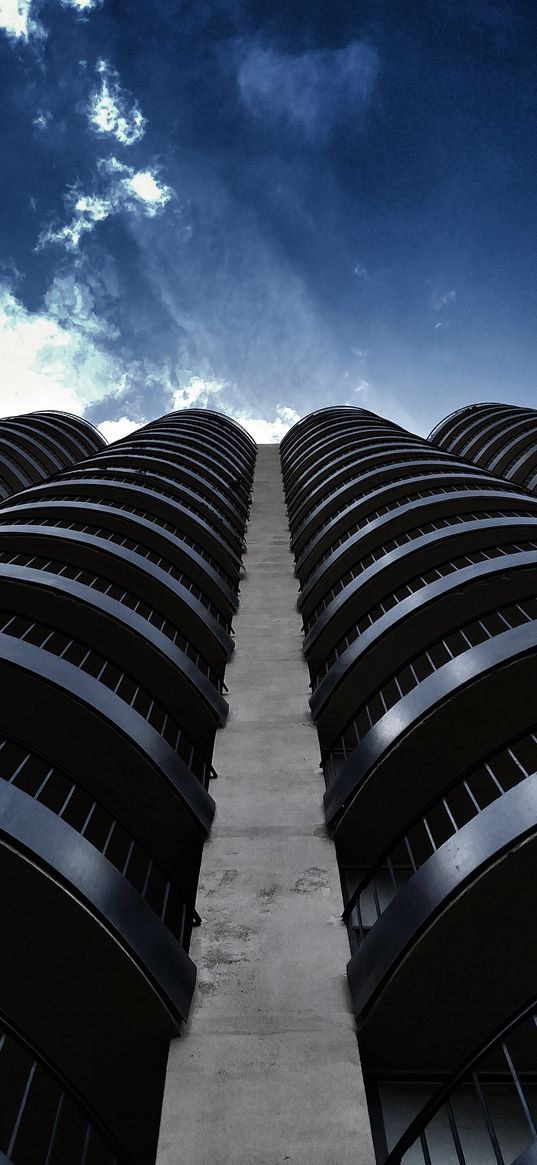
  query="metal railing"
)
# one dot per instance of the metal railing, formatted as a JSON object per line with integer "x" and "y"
{"x": 93, "y": 820}
{"x": 463, "y": 800}
{"x": 42, "y": 1118}
{"x": 443, "y": 1133}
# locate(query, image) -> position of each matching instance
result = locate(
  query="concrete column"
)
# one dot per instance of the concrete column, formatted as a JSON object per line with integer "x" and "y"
{"x": 268, "y": 1067}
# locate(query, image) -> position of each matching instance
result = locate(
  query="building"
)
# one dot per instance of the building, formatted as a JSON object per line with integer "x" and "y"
{"x": 501, "y": 438}
{"x": 417, "y": 575}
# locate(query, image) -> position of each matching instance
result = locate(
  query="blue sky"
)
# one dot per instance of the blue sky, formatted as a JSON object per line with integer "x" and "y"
{"x": 267, "y": 208}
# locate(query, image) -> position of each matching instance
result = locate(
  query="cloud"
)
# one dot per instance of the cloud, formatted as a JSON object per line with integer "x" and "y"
{"x": 438, "y": 302}
{"x": 112, "y": 111}
{"x": 46, "y": 364}
{"x": 267, "y": 432}
{"x": 311, "y": 92}
{"x": 81, "y": 5}
{"x": 122, "y": 189}
{"x": 17, "y": 21}
{"x": 115, "y": 430}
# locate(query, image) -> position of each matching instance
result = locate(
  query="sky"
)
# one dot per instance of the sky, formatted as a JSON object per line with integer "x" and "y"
{"x": 267, "y": 208}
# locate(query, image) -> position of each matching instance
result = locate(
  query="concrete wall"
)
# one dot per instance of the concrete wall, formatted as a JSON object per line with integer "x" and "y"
{"x": 268, "y": 1068}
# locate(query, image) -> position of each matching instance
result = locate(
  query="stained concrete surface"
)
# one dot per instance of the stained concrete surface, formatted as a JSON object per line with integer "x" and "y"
{"x": 267, "y": 1069}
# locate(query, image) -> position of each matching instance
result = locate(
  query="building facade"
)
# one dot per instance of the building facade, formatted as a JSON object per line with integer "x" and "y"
{"x": 416, "y": 573}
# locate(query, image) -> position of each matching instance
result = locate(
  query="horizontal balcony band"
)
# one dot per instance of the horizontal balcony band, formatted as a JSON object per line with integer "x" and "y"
{"x": 141, "y": 530}
{"x": 457, "y": 866}
{"x": 33, "y": 832}
{"x": 124, "y": 760}
{"x": 351, "y": 466}
{"x": 221, "y": 486}
{"x": 133, "y": 644}
{"x": 46, "y": 448}
{"x": 319, "y": 453}
{"x": 85, "y": 1001}
{"x": 439, "y": 609}
{"x": 78, "y": 436}
{"x": 85, "y": 814}
{"x": 400, "y": 564}
{"x": 458, "y": 416}
{"x": 229, "y": 476}
{"x": 224, "y": 442}
{"x": 227, "y": 514}
{"x": 144, "y": 497}
{"x": 129, "y": 569}
{"x": 399, "y": 519}
{"x": 394, "y": 473}
{"x": 369, "y": 800}
{"x": 212, "y": 419}
{"x": 397, "y": 490}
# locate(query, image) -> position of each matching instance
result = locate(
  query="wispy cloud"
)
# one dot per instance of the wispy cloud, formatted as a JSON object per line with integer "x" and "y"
{"x": 440, "y": 301}
{"x": 312, "y": 91}
{"x": 121, "y": 189}
{"x": 113, "y": 111}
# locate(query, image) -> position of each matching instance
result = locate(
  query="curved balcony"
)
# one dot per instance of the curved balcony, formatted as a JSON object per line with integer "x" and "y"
{"x": 328, "y": 472}
{"x": 445, "y": 886}
{"x": 319, "y": 453}
{"x": 484, "y": 1111}
{"x": 195, "y": 466}
{"x": 226, "y": 429}
{"x": 175, "y": 673}
{"x": 394, "y": 562}
{"x": 140, "y": 529}
{"x": 154, "y": 500}
{"x": 172, "y": 472}
{"x": 454, "y": 430}
{"x": 502, "y": 438}
{"x": 395, "y": 754}
{"x": 397, "y": 516}
{"x": 128, "y": 565}
{"x": 425, "y": 609}
{"x": 135, "y": 756}
{"x": 319, "y": 530}
{"x": 228, "y": 472}
{"x": 104, "y": 1003}
{"x": 43, "y": 1117}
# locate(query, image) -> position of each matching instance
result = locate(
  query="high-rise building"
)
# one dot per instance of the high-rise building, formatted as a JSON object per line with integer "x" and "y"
{"x": 415, "y": 573}
{"x": 501, "y": 438}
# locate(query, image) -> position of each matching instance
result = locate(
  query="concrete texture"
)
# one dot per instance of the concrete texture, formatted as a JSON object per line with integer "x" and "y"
{"x": 268, "y": 1068}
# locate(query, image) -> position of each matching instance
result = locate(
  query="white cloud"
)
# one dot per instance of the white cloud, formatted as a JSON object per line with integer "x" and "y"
{"x": 263, "y": 431}
{"x": 112, "y": 111}
{"x": 47, "y": 365}
{"x": 310, "y": 91}
{"x": 122, "y": 189}
{"x": 81, "y": 5}
{"x": 115, "y": 430}
{"x": 17, "y": 21}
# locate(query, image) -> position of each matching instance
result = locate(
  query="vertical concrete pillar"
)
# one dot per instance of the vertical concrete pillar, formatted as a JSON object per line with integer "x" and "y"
{"x": 268, "y": 1068}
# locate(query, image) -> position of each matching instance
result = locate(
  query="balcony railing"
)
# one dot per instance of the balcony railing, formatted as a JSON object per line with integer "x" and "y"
{"x": 42, "y": 1119}
{"x": 486, "y": 1111}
